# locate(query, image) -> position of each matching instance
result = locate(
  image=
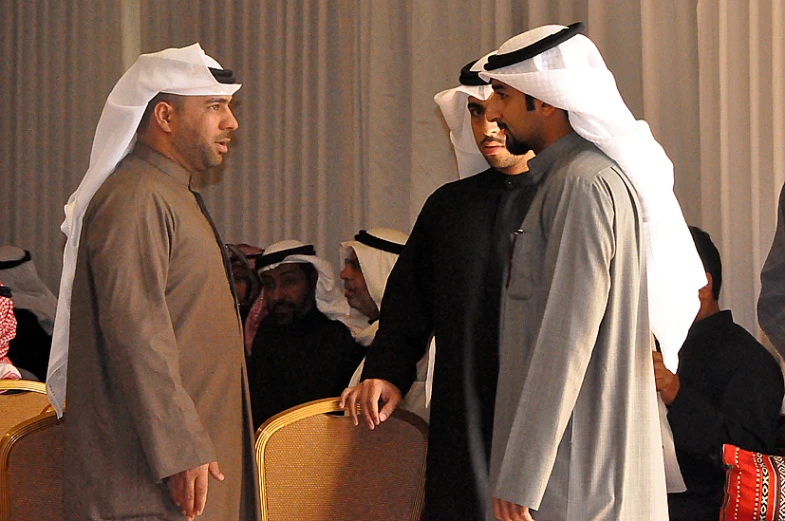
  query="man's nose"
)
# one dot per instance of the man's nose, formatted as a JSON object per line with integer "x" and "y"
{"x": 491, "y": 109}
{"x": 230, "y": 122}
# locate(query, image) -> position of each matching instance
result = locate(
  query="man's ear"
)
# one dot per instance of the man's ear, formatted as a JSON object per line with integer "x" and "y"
{"x": 163, "y": 115}
{"x": 314, "y": 278}
{"x": 545, "y": 108}
{"x": 707, "y": 291}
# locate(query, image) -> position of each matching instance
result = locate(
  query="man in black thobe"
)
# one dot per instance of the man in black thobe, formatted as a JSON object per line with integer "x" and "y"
{"x": 447, "y": 282}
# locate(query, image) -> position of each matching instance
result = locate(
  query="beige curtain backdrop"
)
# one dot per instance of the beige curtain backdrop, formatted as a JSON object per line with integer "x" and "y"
{"x": 338, "y": 129}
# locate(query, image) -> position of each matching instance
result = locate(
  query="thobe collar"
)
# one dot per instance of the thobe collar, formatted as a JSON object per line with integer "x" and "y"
{"x": 163, "y": 163}
{"x": 717, "y": 321}
{"x": 512, "y": 182}
{"x": 542, "y": 162}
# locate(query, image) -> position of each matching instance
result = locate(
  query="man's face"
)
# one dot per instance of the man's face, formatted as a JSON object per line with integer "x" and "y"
{"x": 288, "y": 293}
{"x": 490, "y": 138}
{"x": 201, "y": 129}
{"x": 523, "y": 127}
{"x": 355, "y": 288}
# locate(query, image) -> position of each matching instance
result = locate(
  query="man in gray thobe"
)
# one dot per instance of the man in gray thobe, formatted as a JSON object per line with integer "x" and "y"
{"x": 158, "y": 406}
{"x": 576, "y": 433}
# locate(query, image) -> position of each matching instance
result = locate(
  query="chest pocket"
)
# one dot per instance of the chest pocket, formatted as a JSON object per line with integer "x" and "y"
{"x": 521, "y": 280}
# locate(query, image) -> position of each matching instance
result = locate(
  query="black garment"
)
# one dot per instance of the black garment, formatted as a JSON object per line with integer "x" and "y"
{"x": 31, "y": 346}
{"x": 448, "y": 282}
{"x": 290, "y": 365}
{"x": 730, "y": 391}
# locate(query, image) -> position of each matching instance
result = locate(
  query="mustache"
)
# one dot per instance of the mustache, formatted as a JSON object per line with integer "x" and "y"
{"x": 491, "y": 139}
{"x": 282, "y": 304}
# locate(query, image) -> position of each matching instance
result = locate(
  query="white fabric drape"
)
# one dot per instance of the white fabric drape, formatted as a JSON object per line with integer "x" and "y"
{"x": 338, "y": 128}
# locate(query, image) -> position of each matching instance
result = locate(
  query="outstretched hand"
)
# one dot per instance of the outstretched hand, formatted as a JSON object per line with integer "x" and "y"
{"x": 189, "y": 488}
{"x": 369, "y": 394}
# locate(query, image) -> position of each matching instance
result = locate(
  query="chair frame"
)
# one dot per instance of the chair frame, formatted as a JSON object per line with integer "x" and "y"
{"x": 315, "y": 408}
{"x": 23, "y": 385}
{"x": 37, "y": 423}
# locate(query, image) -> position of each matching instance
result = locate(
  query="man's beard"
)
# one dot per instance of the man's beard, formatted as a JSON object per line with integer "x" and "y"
{"x": 196, "y": 151}
{"x": 285, "y": 313}
{"x": 516, "y": 147}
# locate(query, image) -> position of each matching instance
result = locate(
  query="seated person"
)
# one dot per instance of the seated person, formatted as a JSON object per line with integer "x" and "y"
{"x": 247, "y": 288}
{"x": 34, "y": 309}
{"x": 728, "y": 389}
{"x": 7, "y": 332}
{"x": 247, "y": 285}
{"x": 367, "y": 263}
{"x": 301, "y": 352}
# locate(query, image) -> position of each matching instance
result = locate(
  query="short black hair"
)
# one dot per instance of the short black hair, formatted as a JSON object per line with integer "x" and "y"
{"x": 710, "y": 256}
{"x": 172, "y": 99}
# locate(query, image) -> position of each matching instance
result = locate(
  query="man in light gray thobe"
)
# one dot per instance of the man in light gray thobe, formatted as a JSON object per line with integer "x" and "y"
{"x": 576, "y": 432}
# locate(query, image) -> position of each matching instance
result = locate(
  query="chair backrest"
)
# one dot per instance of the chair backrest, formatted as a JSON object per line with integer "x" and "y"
{"x": 31, "y": 470}
{"x": 315, "y": 464}
{"x": 22, "y": 400}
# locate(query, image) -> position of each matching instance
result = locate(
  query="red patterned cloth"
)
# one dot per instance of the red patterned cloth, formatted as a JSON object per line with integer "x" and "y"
{"x": 7, "y": 333}
{"x": 754, "y": 486}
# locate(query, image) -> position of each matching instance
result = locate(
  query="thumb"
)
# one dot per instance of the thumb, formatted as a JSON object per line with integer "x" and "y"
{"x": 388, "y": 409}
{"x": 215, "y": 471}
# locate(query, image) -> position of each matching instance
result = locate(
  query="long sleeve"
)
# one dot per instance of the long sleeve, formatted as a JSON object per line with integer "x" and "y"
{"x": 129, "y": 244}
{"x": 406, "y": 320}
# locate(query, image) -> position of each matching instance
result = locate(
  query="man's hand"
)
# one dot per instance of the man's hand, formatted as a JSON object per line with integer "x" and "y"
{"x": 666, "y": 382}
{"x": 369, "y": 394}
{"x": 189, "y": 488}
{"x": 506, "y": 511}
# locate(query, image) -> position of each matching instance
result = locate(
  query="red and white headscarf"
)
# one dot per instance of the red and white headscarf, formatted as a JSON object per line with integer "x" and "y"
{"x": 7, "y": 333}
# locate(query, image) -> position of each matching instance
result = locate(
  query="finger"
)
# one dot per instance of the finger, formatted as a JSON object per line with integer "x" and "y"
{"x": 215, "y": 471}
{"x": 370, "y": 405}
{"x": 518, "y": 512}
{"x": 187, "y": 503}
{"x": 389, "y": 407}
{"x": 505, "y": 510}
{"x": 497, "y": 508}
{"x": 342, "y": 402}
{"x": 200, "y": 492}
{"x": 349, "y": 401}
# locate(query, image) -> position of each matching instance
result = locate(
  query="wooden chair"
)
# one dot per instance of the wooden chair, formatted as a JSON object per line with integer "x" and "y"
{"x": 31, "y": 470}
{"x": 27, "y": 399}
{"x": 315, "y": 464}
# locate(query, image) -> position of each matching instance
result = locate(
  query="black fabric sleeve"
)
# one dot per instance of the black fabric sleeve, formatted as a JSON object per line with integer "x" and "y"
{"x": 406, "y": 315}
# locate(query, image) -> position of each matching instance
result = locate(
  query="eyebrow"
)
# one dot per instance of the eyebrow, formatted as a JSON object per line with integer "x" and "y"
{"x": 210, "y": 101}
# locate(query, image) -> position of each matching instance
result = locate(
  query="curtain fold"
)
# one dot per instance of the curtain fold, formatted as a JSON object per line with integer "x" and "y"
{"x": 338, "y": 128}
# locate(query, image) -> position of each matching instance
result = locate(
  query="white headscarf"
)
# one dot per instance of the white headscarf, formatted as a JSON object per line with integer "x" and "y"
{"x": 573, "y": 76}
{"x": 376, "y": 263}
{"x": 182, "y": 71}
{"x": 452, "y": 103}
{"x": 17, "y": 271}
{"x": 329, "y": 296}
